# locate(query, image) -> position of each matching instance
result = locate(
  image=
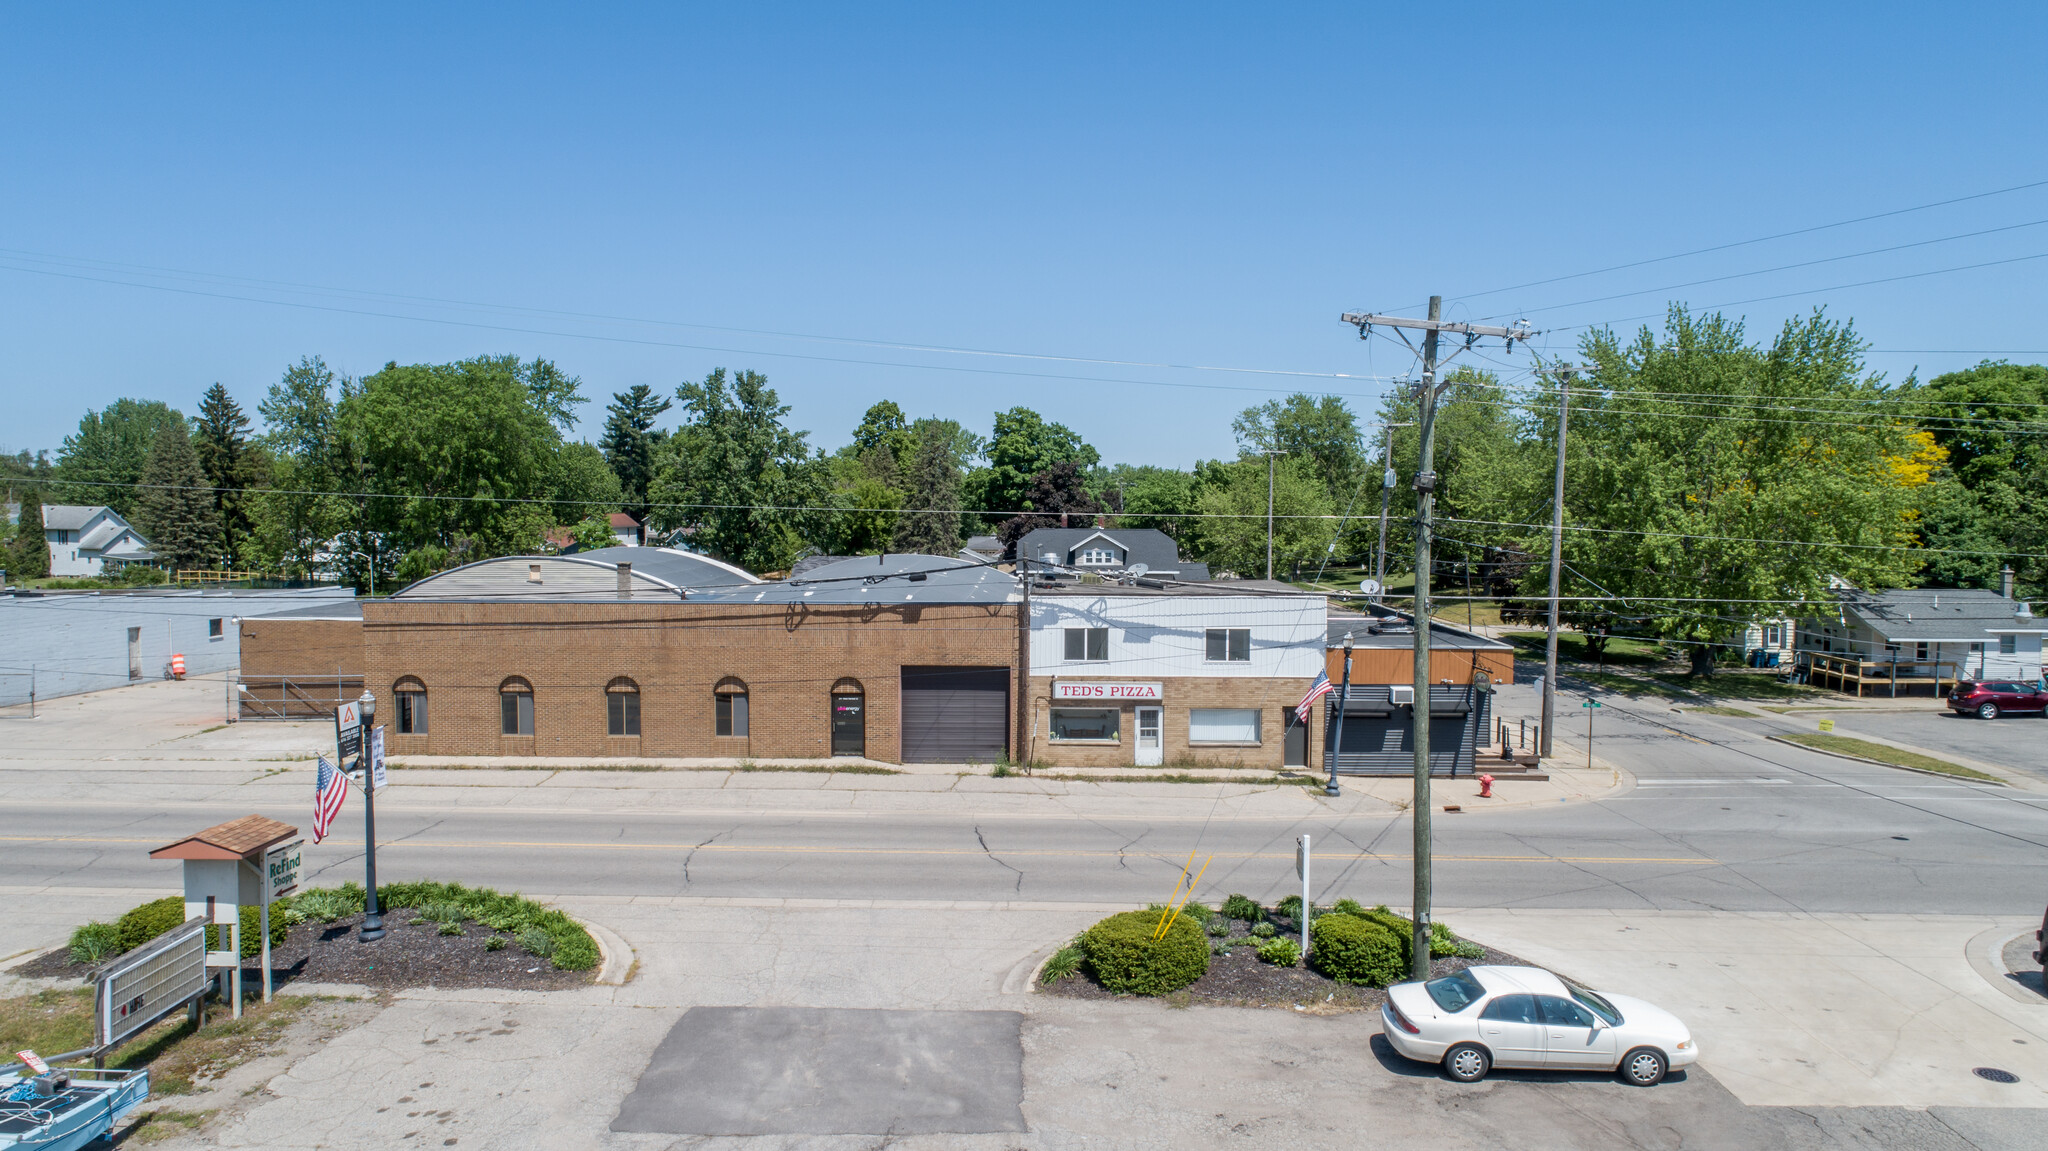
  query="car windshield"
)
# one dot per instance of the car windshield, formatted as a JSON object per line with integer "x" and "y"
{"x": 1454, "y": 993}
{"x": 1596, "y": 1003}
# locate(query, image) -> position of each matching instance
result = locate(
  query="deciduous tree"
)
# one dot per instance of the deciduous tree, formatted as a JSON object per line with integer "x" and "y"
{"x": 102, "y": 462}
{"x": 736, "y": 479}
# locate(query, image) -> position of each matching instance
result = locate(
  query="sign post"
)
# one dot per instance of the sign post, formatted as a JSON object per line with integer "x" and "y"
{"x": 1591, "y": 706}
{"x": 1301, "y": 861}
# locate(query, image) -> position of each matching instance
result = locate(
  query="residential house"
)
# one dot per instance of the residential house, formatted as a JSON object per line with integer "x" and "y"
{"x": 1769, "y": 642}
{"x": 627, "y": 530}
{"x": 91, "y": 540}
{"x": 1921, "y": 641}
{"x": 1111, "y": 552}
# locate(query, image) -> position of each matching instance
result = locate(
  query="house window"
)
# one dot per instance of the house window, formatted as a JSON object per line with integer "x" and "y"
{"x": 622, "y": 707}
{"x": 1223, "y": 725}
{"x": 1774, "y": 635}
{"x": 1230, "y": 644}
{"x": 1099, "y": 557}
{"x": 1085, "y": 724}
{"x": 213, "y": 628}
{"x": 411, "y": 697}
{"x": 515, "y": 707}
{"x": 730, "y": 703}
{"x": 1087, "y": 643}
{"x": 2008, "y": 645}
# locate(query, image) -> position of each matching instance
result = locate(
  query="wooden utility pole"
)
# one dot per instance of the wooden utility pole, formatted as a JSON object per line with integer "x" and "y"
{"x": 1556, "y": 571}
{"x": 1427, "y": 392}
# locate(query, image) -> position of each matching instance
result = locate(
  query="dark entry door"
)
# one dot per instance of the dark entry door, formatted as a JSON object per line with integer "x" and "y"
{"x": 849, "y": 725}
{"x": 954, "y": 714}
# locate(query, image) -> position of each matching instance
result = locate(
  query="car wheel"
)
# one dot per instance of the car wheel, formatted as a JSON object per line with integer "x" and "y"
{"x": 1987, "y": 711}
{"x": 1467, "y": 1063}
{"x": 1644, "y": 1067}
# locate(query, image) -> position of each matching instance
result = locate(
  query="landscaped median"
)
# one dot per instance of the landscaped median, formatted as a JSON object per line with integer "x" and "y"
{"x": 1244, "y": 954}
{"x": 1882, "y": 754}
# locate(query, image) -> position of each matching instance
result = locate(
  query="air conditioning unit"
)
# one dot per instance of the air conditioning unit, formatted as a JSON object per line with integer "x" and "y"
{"x": 1401, "y": 695}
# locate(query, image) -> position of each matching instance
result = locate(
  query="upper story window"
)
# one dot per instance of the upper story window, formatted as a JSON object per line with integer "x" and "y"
{"x": 411, "y": 695}
{"x": 1229, "y": 645}
{"x": 1087, "y": 643}
{"x": 1098, "y": 556}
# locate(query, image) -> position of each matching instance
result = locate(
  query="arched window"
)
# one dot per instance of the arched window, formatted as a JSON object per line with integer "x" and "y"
{"x": 622, "y": 707}
{"x": 515, "y": 707}
{"x": 730, "y": 704}
{"x": 411, "y": 695}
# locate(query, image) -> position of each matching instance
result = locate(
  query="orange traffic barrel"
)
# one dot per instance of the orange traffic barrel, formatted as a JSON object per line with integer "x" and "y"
{"x": 178, "y": 666}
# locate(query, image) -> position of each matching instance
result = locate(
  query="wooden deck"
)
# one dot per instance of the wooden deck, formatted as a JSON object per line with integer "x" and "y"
{"x": 1882, "y": 677}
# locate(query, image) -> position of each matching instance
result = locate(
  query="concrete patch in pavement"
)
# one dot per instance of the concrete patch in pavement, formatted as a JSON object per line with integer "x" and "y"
{"x": 830, "y": 1071}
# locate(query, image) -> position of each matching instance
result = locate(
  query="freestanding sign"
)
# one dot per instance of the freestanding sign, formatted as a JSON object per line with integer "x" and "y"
{"x": 376, "y": 780}
{"x": 149, "y": 983}
{"x": 1301, "y": 862}
{"x": 280, "y": 878}
{"x": 348, "y": 730}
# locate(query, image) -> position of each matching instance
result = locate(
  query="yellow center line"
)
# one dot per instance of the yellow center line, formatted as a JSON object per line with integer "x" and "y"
{"x": 815, "y": 849}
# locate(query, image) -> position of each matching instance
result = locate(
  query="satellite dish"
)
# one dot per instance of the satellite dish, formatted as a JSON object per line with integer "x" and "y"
{"x": 1138, "y": 571}
{"x": 1369, "y": 587}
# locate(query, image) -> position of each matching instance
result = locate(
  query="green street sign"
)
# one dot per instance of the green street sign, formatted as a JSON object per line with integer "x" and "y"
{"x": 1592, "y": 703}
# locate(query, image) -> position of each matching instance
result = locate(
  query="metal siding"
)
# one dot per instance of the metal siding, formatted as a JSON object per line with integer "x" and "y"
{"x": 1164, "y": 636}
{"x": 1379, "y": 745}
{"x": 954, "y": 714}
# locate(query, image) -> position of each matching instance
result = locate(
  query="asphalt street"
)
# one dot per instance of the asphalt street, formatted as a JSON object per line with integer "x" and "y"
{"x": 1719, "y": 819}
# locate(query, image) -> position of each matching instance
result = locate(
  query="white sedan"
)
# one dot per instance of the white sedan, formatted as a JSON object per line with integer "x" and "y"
{"x": 1487, "y": 1017}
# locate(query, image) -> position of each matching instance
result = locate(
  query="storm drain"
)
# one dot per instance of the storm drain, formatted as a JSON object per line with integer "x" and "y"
{"x": 1995, "y": 1074}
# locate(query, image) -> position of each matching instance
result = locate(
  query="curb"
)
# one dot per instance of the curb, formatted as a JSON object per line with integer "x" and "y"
{"x": 617, "y": 954}
{"x": 1983, "y": 952}
{"x": 1950, "y": 776}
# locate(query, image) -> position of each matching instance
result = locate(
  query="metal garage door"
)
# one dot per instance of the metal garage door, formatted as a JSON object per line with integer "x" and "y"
{"x": 954, "y": 714}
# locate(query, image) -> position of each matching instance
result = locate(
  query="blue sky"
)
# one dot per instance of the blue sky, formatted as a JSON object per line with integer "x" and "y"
{"x": 202, "y": 194}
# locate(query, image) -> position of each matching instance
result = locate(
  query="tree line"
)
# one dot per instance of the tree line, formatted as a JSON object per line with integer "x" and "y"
{"x": 1711, "y": 478}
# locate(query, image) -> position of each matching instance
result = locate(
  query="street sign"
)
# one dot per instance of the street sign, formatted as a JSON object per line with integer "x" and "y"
{"x": 281, "y": 869}
{"x": 348, "y": 730}
{"x": 377, "y": 757}
{"x": 1592, "y": 703}
{"x": 1827, "y": 725}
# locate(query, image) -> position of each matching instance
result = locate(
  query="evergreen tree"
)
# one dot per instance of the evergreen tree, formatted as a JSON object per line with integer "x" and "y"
{"x": 175, "y": 510}
{"x": 232, "y": 465}
{"x": 932, "y": 526}
{"x": 31, "y": 552}
{"x": 630, "y": 441}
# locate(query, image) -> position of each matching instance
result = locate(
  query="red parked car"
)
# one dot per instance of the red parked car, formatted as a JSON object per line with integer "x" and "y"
{"x": 1986, "y": 700}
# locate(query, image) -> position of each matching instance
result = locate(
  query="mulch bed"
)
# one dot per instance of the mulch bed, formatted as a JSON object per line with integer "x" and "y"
{"x": 1238, "y": 979}
{"x": 406, "y": 957}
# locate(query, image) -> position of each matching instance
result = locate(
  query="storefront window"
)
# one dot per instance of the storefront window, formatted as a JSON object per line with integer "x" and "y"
{"x": 1084, "y": 723}
{"x": 1223, "y": 725}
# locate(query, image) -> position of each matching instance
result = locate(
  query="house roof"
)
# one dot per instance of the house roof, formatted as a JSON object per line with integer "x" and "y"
{"x": 986, "y": 545}
{"x": 622, "y": 520}
{"x": 235, "y": 839}
{"x": 1933, "y": 614}
{"x": 71, "y": 517}
{"x": 1149, "y": 546}
{"x": 1265, "y": 589}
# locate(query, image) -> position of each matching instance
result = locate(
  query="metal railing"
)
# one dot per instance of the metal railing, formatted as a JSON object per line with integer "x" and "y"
{"x": 1854, "y": 673}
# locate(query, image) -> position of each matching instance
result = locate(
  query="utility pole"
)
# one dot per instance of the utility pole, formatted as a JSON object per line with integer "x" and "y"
{"x": 1427, "y": 392}
{"x": 1564, "y": 393}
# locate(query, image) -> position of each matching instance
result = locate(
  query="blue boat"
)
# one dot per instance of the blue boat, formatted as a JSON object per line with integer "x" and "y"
{"x": 66, "y": 1109}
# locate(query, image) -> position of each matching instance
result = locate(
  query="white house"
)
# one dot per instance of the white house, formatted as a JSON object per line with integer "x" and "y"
{"x": 85, "y": 541}
{"x": 1922, "y": 639}
{"x": 1128, "y": 675}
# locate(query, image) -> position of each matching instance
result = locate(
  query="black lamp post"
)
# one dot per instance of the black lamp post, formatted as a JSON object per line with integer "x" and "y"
{"x": 373, "y": 920}
{"x": 1337, "y": 740}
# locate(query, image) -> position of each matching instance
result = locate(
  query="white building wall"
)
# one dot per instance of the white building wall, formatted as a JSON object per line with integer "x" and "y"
{"x": 1166, "y": 636}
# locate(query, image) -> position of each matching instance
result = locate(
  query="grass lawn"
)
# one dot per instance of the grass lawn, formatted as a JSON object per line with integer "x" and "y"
{"x": 1715, "y": 709}
{"x": 1882, "y": 753}
{"x": 178, "y": 1057}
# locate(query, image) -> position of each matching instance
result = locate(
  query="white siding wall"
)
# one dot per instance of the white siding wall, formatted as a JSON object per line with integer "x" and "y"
{"x": 1162, "y": 636}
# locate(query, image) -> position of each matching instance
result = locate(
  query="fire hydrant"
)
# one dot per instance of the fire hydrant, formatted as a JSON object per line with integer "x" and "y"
{"x": 1486, "y": 787}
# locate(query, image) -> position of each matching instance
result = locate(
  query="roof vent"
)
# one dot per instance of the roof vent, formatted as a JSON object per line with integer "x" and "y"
{"x": 532, "y": 573}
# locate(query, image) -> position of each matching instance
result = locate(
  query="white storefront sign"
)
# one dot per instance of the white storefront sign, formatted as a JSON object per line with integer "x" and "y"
{"x": 1082, "y": 690}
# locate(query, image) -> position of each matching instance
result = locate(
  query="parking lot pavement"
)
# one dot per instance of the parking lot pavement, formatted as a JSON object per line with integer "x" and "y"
{"x": 2010, "y": 742}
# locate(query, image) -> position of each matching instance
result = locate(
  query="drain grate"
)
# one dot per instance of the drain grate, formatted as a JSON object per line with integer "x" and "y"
{"x": 1996, "y": 1075}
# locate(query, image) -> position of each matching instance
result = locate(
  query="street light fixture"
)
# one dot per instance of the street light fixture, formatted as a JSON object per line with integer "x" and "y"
{"x": 373, "y": 920}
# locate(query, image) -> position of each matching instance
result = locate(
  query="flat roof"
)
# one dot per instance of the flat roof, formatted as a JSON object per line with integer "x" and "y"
{"x": 1383, "y": 627}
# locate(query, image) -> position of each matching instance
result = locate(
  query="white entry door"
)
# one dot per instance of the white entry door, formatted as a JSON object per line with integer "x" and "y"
{"x": 1150, "y": 751}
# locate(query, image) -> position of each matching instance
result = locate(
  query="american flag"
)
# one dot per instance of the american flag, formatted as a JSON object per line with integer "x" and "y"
{"x": 329, "y": 790}
{"x": 1316, "y": 691}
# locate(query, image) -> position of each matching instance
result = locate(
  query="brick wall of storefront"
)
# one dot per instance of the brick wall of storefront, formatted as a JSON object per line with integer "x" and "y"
{"x": 301, "y": 648}
{"x": 1273, "y": 697}
{"x": 789, "y": 658}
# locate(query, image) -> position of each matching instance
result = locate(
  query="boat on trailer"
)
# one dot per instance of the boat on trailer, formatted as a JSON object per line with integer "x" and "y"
{"x": 66, "y": 1109}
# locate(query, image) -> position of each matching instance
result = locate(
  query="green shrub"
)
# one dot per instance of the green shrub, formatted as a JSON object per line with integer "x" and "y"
{"x": 325, "y": 904}
{"x": 1353, "y": 949}
{"x": 93, "y": 942}
{"x": 1242, "y": 907}
{"x": 1289, "y": 908}
{"x": 1280, "y": 952}
{"x": 495, "y": 943}
{"x": 450, "y": 929}
{"x": 443, "y": 911}
{"x": 1348, "y": 907}
{"x": 1219, "y": 926}
{"x": 1264, "y": 929}
{"x": 1063, "y": 963}
{"x": 1201, "y": 913}
{"x": 144, "y": 923}
{"x": 537, "y": 942}
{"x": 1126, "y": 959}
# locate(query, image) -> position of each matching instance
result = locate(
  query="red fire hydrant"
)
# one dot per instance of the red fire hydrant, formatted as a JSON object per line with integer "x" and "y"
{"x": 1486, "y": 787}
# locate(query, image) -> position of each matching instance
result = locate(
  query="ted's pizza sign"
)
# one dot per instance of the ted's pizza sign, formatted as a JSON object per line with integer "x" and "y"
{"x": 1071, "y": 689}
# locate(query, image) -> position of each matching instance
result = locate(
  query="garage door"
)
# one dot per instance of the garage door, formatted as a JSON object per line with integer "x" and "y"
{"x": 954, "y": 714}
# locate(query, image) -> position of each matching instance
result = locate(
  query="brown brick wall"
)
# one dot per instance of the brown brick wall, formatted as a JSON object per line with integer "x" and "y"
{"x": 676, "y": 653}
{"x": 301, "y": 648}
{"x": 1274, "y": 698}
